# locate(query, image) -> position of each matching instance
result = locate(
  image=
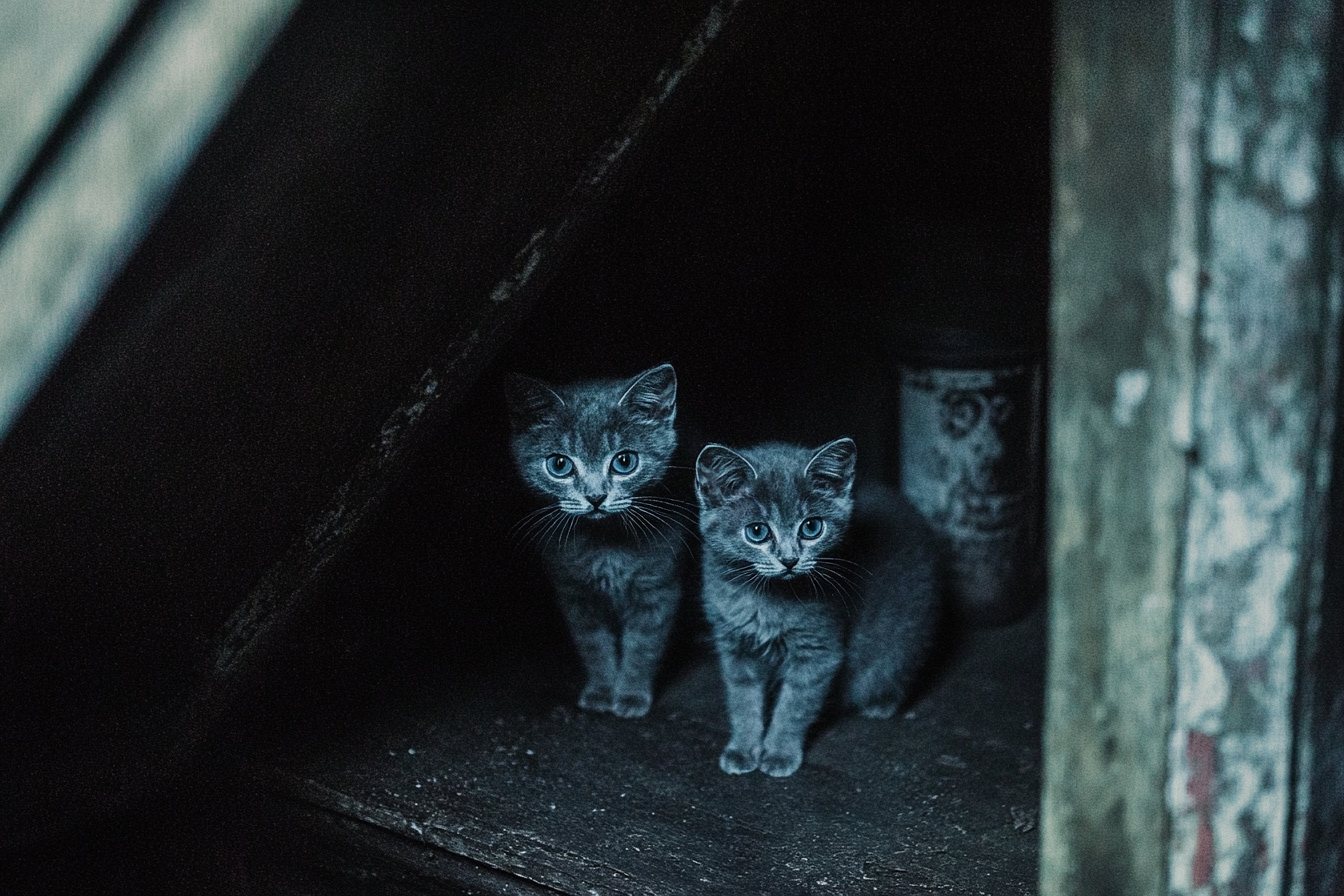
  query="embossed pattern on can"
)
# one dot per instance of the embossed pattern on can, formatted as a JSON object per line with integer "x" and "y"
{"x": 969, "y": 457}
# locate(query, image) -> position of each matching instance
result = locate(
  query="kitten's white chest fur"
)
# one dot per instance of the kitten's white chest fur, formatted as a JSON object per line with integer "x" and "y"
{"x": 760, "y": 621}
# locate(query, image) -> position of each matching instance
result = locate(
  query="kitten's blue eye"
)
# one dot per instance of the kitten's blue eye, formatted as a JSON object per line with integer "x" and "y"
{"x": 559, "y": 466}
{"x": 756, "y": 533}
{"x": 812, "y": 527}
{"x": 624, "y": 462}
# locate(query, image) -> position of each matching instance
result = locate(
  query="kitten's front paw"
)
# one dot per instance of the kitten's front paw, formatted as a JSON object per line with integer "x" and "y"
{"x": 736, "y": 761}
{"x": 632, "y": 706}
{"x": 781, "y": 763}
{"x": 596, "y": 698}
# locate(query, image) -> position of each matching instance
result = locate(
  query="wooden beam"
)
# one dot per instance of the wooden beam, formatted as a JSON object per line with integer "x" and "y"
{"x": 290, "y": 582}
{"x": 47, "y": 53}
{"x": 1118, "y": 452}
{"x": 105, "y": 186}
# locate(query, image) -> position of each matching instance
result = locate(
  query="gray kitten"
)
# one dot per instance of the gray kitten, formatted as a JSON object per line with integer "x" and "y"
{"x": 614, "y": 553}
{"x": 806, "y": 578}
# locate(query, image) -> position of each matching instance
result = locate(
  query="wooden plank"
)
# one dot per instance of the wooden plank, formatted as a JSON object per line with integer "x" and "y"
{"x": 1263, "y": 420}
{"x": 47, "y": 52}
{"x": 338, "y": 235}
{"x": 84, "y": 217}
{"x": 1118, "y": 449}
{"x": 493, "y": 764}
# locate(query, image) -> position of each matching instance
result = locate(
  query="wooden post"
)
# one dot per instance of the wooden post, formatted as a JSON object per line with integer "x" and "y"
{"x": 1194, "y": 338}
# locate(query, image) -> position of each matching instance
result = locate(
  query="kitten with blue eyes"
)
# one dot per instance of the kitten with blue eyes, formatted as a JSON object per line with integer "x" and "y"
{"x": 809, "y": 582}
{"x": 614, "y": 552}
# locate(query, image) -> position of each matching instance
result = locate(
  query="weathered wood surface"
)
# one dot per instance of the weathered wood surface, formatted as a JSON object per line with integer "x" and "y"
{"x": 494, "y": 764}
{"x": 1196, "y": 328}
{"x": 1118, "y": 453}
{"x": 288, "y": 583}
{"x": 1263, "y": 414}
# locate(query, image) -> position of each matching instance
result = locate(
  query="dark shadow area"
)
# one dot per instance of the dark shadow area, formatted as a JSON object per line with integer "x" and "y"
{"x": 778, "y": 242}
{"x": 846, "y": 172}
{"x": 831, "y": 189}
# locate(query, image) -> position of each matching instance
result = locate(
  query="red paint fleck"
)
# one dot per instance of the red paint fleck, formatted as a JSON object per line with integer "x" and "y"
{"x": 1201, "y": 866}
{"x": 1201, "y": 751}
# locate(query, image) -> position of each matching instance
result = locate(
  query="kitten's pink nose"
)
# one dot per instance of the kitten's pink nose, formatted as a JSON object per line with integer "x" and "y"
{"x": 596, "y": 500}
{"x": 789, "y": 562}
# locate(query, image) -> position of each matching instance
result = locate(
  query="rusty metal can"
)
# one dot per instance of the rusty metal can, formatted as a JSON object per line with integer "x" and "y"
{"x": 971, "y": 462}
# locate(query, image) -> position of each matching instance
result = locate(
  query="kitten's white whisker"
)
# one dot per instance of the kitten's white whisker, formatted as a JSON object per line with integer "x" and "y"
{"x": 630, "y": 527}
{"x": 538, "y": 539}
{"x": 667, "y": 527}
{"x": 843, "y": 582}
{"x": 668, "y": 509}
{"x": 856, "y": 567}
{"x": 661, "y": 525}
{"x": 532, "y": 520}
{"x": 566, "y": 531}
{"x": 539, "y": 525}
{"x": 646, "y": 528}
{"x": 555, "y": 532}
{"x": 847, "y": 593}
{"x": 540, "y": 511}
{"x": 668, "y": 500}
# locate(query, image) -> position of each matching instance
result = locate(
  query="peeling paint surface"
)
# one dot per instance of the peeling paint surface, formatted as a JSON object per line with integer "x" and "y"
{"x": 1267, "y": 336}
{"x": 1131, "y": 388}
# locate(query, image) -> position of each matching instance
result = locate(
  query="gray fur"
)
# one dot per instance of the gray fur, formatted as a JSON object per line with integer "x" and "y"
{"x": 859, "y": 605}
{"x": 613, "y": 551}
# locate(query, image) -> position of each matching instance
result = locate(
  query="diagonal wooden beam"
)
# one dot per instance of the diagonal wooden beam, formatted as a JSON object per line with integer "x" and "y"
{"x": 90, "y": 207}
{"x": 291, "y": 582}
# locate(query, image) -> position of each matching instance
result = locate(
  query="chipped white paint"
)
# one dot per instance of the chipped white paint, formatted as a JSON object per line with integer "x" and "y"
{"x": 1182, "y": 426}
{"x": 1183, "y": 288}
{"x": 1205, "y": 699}
{"x": 1298, "y": 168}
{"x": 1224, "y": 138}
{"x": 1259, "y": 410}
{"x": 1261, "y": 621}
{"x": 1131, "y": 388}
{"x": 406, "y": 417}
{"x": 1252, "y": 24}
{"x": 87, "y": 212}
{"x": 613, "y": 155}
{"x": 524, "y": 265}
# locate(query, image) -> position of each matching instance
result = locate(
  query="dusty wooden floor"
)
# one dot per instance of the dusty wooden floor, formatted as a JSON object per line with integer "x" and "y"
{"x": 492, "y": 782}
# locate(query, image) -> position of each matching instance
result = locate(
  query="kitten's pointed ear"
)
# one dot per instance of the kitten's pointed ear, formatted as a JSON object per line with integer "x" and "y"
{"x": 531, "y": 401}
{"x": 831, "y": 469}
{"x": 721, "y": 473}
{"x": 652, "y": 396}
